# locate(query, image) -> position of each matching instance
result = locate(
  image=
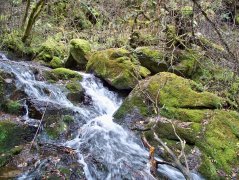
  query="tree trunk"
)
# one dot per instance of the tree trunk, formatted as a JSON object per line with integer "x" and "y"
{"x": 26, "y": 13}
{"x": 32, "y": 19}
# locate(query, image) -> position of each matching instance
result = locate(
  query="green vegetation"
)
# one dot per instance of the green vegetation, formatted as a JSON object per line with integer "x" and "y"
{"x": 62, "y": 74}
{"x": 12, "y": 107}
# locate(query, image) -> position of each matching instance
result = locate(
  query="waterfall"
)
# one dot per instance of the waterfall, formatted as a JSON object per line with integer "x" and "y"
{"x": 104, "y": 148}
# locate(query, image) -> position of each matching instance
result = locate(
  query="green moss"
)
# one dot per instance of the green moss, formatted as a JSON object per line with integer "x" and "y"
{"x": 62, "y": 74}
{"x": 186, "y": 115}
{"x": 14, "y": 43}
{"x": 207, "y": 168}
{"x": 12, "y": 135}
{"x": 187, "y": 63}
{"x": 74, "y": 86}
{"x": 56, "y": 62}
{"x": 237, "y": 18}
{"x": 79, "y": 48}
{"x": 13, "y": 107}
{"x": 175, "y": 91}
{"x": 220, "y": 140}
{"x": 151, "y": 59}
{"x": 207, "y": 43}
{"x": 187, "y": 11}
{"x": 55, "y": 126}
{"x": 129, "y": 105}
{"x": 68, "y": 119}
{"x": 117, "y": 67}
{"x": 50, "y": 49}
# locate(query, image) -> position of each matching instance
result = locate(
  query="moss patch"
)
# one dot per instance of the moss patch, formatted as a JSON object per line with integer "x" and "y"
{"x": 50, "y": 49}
{"x": 56, "y": 62}
{"x": 62, "y": 74}
{"x": 12, "y": 107}
{"x": 175, "y": 91}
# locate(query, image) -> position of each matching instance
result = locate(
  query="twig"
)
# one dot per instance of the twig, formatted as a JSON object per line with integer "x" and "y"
{"x": 38, "y": 129}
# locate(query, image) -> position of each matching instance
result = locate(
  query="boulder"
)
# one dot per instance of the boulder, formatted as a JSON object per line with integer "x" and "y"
{"x": 79, "y": 48}
{"x": 152, "y": 59}
{"x": 166, "y": 99}
{"x": 168, "y": 90}
{"x": 117, "y": 67}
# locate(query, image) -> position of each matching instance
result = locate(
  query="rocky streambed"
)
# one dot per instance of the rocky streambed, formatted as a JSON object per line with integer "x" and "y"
{"x": 86, "y": 130}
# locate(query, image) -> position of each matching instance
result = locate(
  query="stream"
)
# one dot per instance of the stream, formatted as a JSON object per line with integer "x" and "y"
{"x": 105, "y": 149}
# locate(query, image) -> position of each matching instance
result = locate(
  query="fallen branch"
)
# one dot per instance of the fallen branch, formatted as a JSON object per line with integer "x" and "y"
{"x": 178, "y": 164}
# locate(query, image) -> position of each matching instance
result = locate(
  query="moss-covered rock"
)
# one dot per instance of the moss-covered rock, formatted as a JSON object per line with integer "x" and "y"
{"x": 152, "y": 59}
{"x": 55, "y": 126}
{"x": 170, "y": 90}
{"x": 50, "y": 49}
{"x": 77, "y": 93}
{"x": 216, "y": 136}
{"x": 185, "y": 62}
{"x": 62, "y": 74}
{"x": 237, "y": 18}
{"x": 117, "y": 67}
{"x": 56, "y": 62}
{"x": 13, "y": 107}
{"x": 13, "y": 42}
{"x": 79, "y": 48}
{"x": 195, "y": 117}
{"x": 11, "y": 136}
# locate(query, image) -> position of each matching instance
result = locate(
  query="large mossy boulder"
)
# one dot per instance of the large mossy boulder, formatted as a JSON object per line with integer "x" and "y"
{"x": 166, "y": 98}
{"x": 117, "y": 67}
{"x": 152, "y": 59}
{"x": 79, "y": 48}
{"x": 169, "y": 90}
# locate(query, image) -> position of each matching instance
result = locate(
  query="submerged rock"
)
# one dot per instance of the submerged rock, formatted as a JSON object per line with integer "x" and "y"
{"x": 117, "y": 67}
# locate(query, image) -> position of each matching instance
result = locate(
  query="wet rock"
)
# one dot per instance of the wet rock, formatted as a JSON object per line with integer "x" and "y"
{"x": 12, "y": 135}
{"x": 61, "y": 74}
{"x": 77, "y": 93}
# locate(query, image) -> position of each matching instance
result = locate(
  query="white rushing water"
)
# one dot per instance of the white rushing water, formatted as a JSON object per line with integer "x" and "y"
{"x": 105, "y": 149}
